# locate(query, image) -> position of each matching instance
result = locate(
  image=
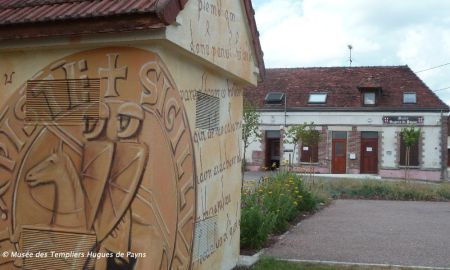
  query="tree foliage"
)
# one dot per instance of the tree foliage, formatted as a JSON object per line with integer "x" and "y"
{"x": 250, "y": 126}
{"x": 305, "y": 133}
{"x": 410, "y": 136}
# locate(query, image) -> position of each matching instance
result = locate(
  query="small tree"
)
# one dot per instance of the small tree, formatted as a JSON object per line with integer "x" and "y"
{"x": 250, "y": 127}
{"x": 410, "y": 137}
{"x": 292, "y": 136}
{"x": 306, "y": 133}
{"x": 310, "y": 136}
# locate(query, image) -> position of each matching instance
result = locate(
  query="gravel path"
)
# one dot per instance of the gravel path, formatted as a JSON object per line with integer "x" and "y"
{"x": 379, "y": 232}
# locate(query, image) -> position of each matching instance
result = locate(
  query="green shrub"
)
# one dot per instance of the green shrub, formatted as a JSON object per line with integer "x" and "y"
{"x": 270, "y": 208}
{"x": 256, "y": 222}
{"x": 281, "y": 196}
{"x": 310, "y": 202}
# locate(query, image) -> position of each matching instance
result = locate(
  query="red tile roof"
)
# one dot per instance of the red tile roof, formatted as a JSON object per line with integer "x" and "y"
{"x": 343, "y": 86}
{"x": 21, "y": 19}
{"x": 32, "y": 11}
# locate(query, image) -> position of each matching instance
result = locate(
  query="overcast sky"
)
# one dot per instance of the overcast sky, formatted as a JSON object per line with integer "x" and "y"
{"x": 305, "y": 33}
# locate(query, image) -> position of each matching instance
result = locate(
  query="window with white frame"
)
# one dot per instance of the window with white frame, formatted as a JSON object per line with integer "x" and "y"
{"x": 317, "y": 98}
{"x": 369, "y": 98}
{"x": 409, "y": 98}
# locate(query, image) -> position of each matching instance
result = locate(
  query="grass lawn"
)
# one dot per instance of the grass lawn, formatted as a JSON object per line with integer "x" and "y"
{"x": 273, "y": 264}
{"x": 379, "y": 190}
{"x": 270, "y": 264}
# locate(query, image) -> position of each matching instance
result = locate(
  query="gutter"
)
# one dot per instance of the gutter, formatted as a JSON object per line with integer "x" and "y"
{"x": 343, "y": 109}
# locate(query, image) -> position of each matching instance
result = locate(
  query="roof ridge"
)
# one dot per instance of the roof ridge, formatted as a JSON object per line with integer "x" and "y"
{"x": 336, "y": 67}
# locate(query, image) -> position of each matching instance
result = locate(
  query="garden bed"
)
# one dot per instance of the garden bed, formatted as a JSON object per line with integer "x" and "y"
{"x": 280, "y": 201}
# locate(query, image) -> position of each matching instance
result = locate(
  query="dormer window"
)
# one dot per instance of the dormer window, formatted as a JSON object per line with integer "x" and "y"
{"x": 274, "y": 98}
{"x": 409, "y": 98}
{"x": 317, "y": 98}
{"x": 369, "y": 98}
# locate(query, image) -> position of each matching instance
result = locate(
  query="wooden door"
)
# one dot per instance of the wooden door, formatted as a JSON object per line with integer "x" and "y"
{"x": 339, "y": 156}
{"x": 272, "y": 153}
{"x": 448, "y": 157}
{"x": 267, "y": 154}
{"x": 369, "y": 155}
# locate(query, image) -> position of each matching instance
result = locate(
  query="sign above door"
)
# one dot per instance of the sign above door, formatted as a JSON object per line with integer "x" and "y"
{"x": 403, "y": 120}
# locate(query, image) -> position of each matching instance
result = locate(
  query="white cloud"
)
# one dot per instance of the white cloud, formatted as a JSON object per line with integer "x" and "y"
{"x": 299, "y": 33}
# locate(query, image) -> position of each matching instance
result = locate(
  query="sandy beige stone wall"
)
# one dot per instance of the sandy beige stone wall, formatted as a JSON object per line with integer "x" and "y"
{"x": 141, "y": 180}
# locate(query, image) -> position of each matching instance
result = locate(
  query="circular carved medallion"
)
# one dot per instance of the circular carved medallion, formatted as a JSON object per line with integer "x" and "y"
{"x": 119, "y": 182}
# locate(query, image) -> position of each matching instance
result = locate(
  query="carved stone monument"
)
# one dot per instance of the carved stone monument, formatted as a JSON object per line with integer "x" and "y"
{"x": 121, "y": 183}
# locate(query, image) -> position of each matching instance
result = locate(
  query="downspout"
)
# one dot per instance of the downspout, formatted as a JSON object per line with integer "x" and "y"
{"x": 285, "y": 108}
{"x": 444, "y": 147}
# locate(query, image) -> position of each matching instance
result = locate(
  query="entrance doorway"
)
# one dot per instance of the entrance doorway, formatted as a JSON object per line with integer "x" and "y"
{"x": 369, "y": 152}
{"x": 448, "y": 157}
{"x": 272, "y": 155}
{"x": 339, "y": 152}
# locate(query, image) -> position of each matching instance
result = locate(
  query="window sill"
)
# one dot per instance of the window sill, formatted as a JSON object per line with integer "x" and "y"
{"x": 309, "y": 163}
{"x": 408, "y": 167}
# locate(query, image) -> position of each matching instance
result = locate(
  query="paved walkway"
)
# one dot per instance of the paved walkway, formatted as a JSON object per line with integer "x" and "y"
{"x": 378, "y": 232}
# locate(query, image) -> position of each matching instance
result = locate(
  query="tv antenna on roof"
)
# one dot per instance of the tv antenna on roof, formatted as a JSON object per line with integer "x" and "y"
{"x": 350, "y": 47}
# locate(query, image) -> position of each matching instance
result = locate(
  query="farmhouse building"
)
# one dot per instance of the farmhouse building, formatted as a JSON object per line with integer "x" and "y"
{"x": 360, "y": 112}
{"x": 103, "y": 104}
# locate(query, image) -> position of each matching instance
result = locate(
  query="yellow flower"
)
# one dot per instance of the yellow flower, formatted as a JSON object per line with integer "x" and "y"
{"x": 260, "y": 190}
{"x": 270, "y": 192}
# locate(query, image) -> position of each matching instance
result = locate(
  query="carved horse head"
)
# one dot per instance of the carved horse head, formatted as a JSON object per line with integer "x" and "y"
{"x": 49, "y": 170}
{"x": 59, "y": 170}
